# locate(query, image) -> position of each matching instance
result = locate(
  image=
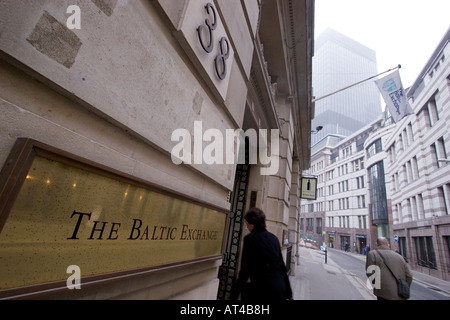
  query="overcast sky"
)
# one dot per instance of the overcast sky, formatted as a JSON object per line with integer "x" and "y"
{"x": 402, "y": 32}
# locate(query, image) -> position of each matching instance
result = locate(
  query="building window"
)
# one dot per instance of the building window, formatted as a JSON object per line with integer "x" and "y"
{"x": 443, "y": 198}
{"x": 310, "y": 224}
{"x": 393, "y": 153}
{"x": 438, "y": 152}
{"x": 374, "y": 148}
{"x": 399, "y": 213}
{"x": 425, "y": 252}
{"x": 400, "y": 142}
{"x": 425, "y": 115}
{"x": 405, "y": 137}
{"x": 378, "y": 193}
{"x": 413, "y": 203}
{"x": 408, "y": 173}
{"x": 331, "y": 222}
{"x": 361, "y": 201}
{"x": 410, "y": 133}
{"x": 415, "y": 168}
{"x": 319, "y": 225}
{"x": 441, "y": 153}
{"x": 362, "y": 222}
{"x": 420, "y": 207}
{"x": 431, "y": 111}
{"x": 403, "y": 248}
{"x": 330, "y": 175}
{"x": 447, "y": 240}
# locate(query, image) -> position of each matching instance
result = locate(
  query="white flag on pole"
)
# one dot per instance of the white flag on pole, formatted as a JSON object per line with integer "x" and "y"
{"x": 394, "y": 95}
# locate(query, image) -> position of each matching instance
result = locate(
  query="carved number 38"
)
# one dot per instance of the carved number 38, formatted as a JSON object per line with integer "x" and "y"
{"x": 208, "y": 45}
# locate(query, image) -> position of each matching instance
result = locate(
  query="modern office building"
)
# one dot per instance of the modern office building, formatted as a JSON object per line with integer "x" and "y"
{"x": 418, "y": 170}
{"x": 339, "y": 217}
{"x": 120, "y": 176}
{"x": 339, "y": 62}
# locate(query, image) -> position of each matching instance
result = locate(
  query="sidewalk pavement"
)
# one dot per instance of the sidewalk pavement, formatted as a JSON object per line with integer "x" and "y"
{"x": 315, "y": 280}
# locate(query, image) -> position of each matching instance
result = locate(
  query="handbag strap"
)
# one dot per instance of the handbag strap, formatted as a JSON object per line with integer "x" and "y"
{"x": 386, "y": 264}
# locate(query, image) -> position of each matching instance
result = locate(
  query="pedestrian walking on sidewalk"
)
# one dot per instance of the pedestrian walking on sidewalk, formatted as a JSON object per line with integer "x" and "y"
{"x": 385, "y": 286}
{"x": 262, "y": 264}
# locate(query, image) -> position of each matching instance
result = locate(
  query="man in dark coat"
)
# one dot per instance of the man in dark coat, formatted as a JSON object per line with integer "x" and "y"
{"x": 386, "y": 288}
{"x": 262, "y": 264}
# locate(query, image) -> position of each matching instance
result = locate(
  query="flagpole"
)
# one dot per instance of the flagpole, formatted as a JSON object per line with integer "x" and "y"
{"x": 314, "y": 100}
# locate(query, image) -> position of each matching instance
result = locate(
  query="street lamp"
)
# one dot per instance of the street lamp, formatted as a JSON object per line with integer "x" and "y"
{"x": 444, "y": 160}
{"x": 318, "y": 128}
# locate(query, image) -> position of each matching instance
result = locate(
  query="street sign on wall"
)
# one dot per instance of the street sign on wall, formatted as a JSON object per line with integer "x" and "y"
{"x": 308, "y": 188}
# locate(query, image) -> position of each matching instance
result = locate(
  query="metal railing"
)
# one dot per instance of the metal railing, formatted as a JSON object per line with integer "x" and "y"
{"x": 427, "y": 263}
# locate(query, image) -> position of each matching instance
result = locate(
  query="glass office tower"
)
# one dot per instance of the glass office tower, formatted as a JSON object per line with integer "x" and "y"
{"x": 337, "y": 63}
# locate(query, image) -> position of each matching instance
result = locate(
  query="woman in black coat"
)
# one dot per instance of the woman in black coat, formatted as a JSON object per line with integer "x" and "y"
{"x": 262, "y": 264}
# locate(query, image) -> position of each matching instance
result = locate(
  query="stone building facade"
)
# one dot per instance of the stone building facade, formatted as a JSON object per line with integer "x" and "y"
{"x": 417, "y": 168}
{"x": 117, "y": 181}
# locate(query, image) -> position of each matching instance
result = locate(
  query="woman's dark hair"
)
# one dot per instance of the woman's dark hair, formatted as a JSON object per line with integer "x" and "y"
{"x": 256, "y": 217}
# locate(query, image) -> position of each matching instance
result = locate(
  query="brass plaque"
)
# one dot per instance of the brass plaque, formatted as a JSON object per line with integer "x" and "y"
{"x": 65, "y": 216}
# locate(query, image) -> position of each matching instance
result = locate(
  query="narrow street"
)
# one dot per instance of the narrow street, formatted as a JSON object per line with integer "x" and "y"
{"x": 355, "y": 265}
{"x": 343, "y": 278}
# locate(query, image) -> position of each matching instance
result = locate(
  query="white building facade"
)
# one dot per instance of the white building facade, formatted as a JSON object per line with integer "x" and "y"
{"x": 339, "y": 217}
{"x": 418, "y": 171}
{"x": 111, "y": 112}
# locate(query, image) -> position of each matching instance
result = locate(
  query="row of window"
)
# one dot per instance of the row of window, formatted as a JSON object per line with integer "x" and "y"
{"x": 428, "y": 115}
{"x": 334, "y": 222}
{"x": 410, "y": 170}
{"x": 310, "y": 225}
{"x": 356, "y": 165}
{"x": 415, "y": 208}
{"x": 414, "y": 205}
{"x": 343, "y": 186}
{"x": 437, "y": 66}
{"x": 425, "y": 253}
{"x": 337, "y": 204}
{"x": 405, "y": 139}
{"x": 345, "y": 222}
